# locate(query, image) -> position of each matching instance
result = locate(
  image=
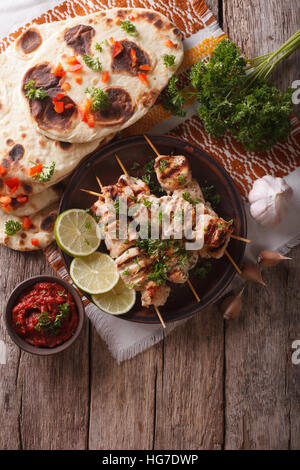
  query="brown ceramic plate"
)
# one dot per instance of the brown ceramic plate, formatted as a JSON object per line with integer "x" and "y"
{"x": 207, "y": 171}
{"x": 13, "y": 298}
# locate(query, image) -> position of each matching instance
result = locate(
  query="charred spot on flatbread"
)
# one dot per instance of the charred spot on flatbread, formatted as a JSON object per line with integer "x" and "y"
{"x": 158, "y": 22}
{"x": 149, "y": 97}
{"x": 27, "y": 188}
{"x": 122, "y": 13}
{"x": 10, "y": 142}
{"x": 30, "y": 41}
{"x": 23, "y": 235}
{"x": 42, "y": 110}
{"x": 120, "y": 109}
{"x": 79, "y": 38}
{"x": 123, "y": 61}
{"x": 48, "y": 222}
{"x": 16, "y": 153}
{"x": 5, "y": 163}
{"x": 64, "y": 145}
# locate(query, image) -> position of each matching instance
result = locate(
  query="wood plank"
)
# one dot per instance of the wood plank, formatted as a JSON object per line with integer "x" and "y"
{"x": 122, "y": 407}
{"x": 213, "y": 5}
{"x": 43, "y": 401}
{"x": 261, "y": 400}
{"x": 292, "y": 316}
{"x": 263, "y": 27}
{"x": 189, "y": 401}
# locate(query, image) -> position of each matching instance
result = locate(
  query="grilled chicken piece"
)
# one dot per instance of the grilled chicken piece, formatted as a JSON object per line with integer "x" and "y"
{"x": 217, "y": 233}
{"x": 173, "y": 172}
{"x": 134, "y": 267}
{"x": 179, "y": 266}
{"x": 176, "y": 215}
{"x": 127, "y": 187}
{"x": 115, "y": 245}
{"x": 152, "y": 294}
{"x": 193, "y": 190}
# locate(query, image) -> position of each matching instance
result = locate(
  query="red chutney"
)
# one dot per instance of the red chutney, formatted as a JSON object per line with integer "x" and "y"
{"x": 45, "y": 315}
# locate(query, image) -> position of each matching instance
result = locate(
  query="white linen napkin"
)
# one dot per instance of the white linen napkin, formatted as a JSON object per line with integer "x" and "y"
{"x": 126, "y": 339}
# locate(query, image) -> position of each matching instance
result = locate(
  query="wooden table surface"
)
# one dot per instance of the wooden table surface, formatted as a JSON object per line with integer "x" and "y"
{"x": 210, "y": 384}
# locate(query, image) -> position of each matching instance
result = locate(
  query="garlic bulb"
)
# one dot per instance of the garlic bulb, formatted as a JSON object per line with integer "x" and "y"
{"x": 269, "y": 199}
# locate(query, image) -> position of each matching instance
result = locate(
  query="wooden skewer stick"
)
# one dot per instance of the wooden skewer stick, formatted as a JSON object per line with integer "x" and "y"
{"x": 90, "y": 192}
{"x": 159, "y": 316}
{"x": 99, "y": 182}
{"x": 155, "y": 308}
{"x": 193, "y": 290}
{"x": 152, "y": 146}
{"x": 232, "y": 236}
{"x": 189, "y": 282}
{"x": 233, "y": 262}
{"x": 246, "y": 240}
{"x": 121, "y": 165}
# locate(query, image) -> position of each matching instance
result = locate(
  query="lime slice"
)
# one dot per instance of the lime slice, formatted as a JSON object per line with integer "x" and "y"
{"x": 77, "y": 232}
{"x": 94, "y": 274}
{"x": 118, "y": 300}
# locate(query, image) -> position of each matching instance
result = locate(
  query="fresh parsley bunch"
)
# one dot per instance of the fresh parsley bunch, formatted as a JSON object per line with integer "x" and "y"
{"x": 257, "y": 115}
{"x": 174, "y": 100}
{"x": 232, "y": 100}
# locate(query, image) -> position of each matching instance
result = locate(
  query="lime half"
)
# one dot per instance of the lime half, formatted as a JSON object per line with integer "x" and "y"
{"x": 94, "y": 274}
{"x": 118, "y": 300}
{"x": 77, "y": 232}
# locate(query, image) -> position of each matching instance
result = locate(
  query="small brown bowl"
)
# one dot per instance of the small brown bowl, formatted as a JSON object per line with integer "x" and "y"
{"x": 13, "y": 300}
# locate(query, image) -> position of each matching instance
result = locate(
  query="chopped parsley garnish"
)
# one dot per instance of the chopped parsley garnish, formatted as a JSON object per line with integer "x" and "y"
{"x": 203, "y": 270}
{"x": 147, "y": 203}
{"x": 163, "y": 165}
{"x": 174, "y": 100}
{"x": 213, "y": 198}
{"x": 187, "y": 197}
{"x": 62, "y": 293}
{"x": 129, "y": 27}
{"x": 88, "y": 225}
{"x": 92, "y": 62}
{"x": 99, "y": 98}
{"x": 45, "y": 174}
{"x": 12, "y": 227}
{"x": 181, "y": 179}
{"x": 117, "y": 208}
{"x": 98, "y": 45}
{"x": 135, "y": 165}
{"x": 52, "y": 325}
{"x": 136, "y": 260}
{"x": 158, "y": 248}
{"x": 149, "y": 177}
{"x": 169, "y": 60}
{"x": 126, "y": 272}
{"x": 158, "y": 273}
{"x": 34, "y": 93}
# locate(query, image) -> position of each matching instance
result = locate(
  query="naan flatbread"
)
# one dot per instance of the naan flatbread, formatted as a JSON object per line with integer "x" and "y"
{"x": 134, "y": 82}
{"x": 21, "y": 146}
{"x": 37, "y": 237}
{"x": 21, "y": 207}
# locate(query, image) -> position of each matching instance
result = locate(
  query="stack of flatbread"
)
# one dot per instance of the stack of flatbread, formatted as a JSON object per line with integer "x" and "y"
{"x": 66, "y": 89}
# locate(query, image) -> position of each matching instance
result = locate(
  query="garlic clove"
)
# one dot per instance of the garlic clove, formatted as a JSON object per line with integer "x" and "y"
{"x": 267, "y": 258}
{"x": 251, "y": 272}
{"x": 232, "y": 306}
{"x": 269, "y": 200}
